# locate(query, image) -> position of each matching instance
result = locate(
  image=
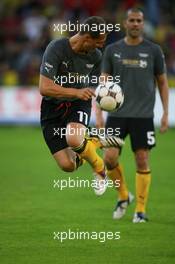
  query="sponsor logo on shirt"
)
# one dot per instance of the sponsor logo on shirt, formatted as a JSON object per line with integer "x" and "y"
{"x": 143, "y": 63}
{"x": 130, "y": 63}
{"x": 143, "y": 55}
{"x": 89, "y": 66}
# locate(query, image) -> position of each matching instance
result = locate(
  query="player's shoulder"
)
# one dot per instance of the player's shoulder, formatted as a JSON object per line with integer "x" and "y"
{"x": 95, "y": 55}
{"x": 154, "y": 46}
{"x": 119, "y": 43}
{"x": 115, "y": 45}
{"x": 57, "y": 44}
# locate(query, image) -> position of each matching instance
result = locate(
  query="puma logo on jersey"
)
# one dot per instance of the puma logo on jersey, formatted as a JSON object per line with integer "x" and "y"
{"x": 47, "y": 69}
{"x": 117, "y": 55}
{"x": 65, "y": 63}
{"x": 48, "y": 66}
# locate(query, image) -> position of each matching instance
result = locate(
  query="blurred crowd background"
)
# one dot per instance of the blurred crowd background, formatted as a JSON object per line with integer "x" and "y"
{"x": 26, "y": 27}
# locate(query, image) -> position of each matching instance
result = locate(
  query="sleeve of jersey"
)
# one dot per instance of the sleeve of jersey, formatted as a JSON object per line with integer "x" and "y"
{"x": 159, "y": 61}
{"x": 106, "y": 62}
{"x": 51, "y": 61}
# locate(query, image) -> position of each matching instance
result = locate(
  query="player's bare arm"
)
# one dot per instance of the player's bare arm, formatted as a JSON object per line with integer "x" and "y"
{"x": 98, "y": 112}
{"x": 48, "y": 88}
{"x": 163, "y": 90}
{"x": 99, "y": 117}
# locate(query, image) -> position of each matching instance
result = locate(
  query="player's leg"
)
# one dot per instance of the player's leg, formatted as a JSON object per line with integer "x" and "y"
{"x": 111, "y": 156}
{"x": 86, "y": 149}
{"x": 54, "y": 133}
{"x": 67, "y": 159}
{"x": 142, "y": 140}
{"x": 115, "y": 172}
{"x": 114, "y": 169}
{"x": 143, "y": 179}
{"x": 78, "y": 121}
{"x": 75, "y": 137}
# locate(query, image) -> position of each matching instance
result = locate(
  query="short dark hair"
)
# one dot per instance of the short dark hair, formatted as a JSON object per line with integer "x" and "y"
{"x": 93, "y": 25}
{"x": 134, "y": 10}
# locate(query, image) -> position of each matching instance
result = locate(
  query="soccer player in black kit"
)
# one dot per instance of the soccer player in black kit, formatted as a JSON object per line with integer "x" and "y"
{"x": 140, "y": 64}
{"x": 66, "y": 104}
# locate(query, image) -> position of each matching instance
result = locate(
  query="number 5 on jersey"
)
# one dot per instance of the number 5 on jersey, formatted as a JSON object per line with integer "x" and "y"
{"x": 151, "y": 138}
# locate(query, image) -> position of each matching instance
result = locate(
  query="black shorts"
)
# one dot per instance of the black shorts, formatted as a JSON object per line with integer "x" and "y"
{"x": 54, "y": 126}
{"x": 140, "y": 130}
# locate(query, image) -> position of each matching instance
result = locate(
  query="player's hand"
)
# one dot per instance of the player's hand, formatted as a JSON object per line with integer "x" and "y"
{"x": 85, "y": 93}
{"x": 164, "y": 123}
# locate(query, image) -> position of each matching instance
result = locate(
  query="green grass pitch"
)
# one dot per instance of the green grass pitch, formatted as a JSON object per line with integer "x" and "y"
{"x": 31, "y": 209}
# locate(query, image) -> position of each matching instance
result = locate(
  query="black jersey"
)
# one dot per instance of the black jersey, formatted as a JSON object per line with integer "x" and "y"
{"x": 68, "y": 68}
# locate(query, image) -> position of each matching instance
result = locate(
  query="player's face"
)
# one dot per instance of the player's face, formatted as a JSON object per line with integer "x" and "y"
{"x": 92, "y": 43}
{"x": 134, "y": 24}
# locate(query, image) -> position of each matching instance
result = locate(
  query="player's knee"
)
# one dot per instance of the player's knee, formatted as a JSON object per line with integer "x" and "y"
{"x": 75, "y": 134}
{"x": 142, "y": 160}
{"x": 110, "y": 161}
{"x": 67, "y": 166}
{"x": 74, "y": 141}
